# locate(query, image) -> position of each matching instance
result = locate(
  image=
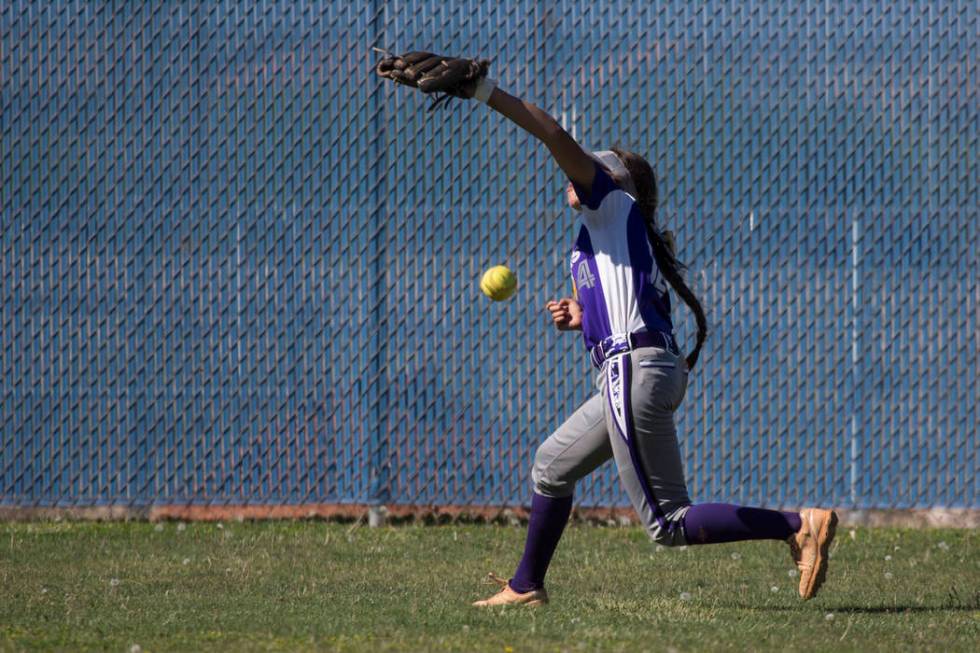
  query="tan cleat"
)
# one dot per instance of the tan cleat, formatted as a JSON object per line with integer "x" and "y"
{"x": 809, "y": 548}
{"x": 507, "y": 596}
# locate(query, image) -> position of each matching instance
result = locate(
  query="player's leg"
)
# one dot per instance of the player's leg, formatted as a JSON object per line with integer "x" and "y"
{"x": 573, "y": 451}
{"x": 644, "y": 388}
{"x": 639, "y": 417}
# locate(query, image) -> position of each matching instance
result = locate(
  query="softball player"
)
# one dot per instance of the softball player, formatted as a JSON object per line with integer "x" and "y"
{"x": 621, "y": 265}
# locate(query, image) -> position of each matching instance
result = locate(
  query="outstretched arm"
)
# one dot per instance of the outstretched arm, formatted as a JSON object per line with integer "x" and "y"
{"x": 573, "y": 160}
{"x": 459, "y": 77}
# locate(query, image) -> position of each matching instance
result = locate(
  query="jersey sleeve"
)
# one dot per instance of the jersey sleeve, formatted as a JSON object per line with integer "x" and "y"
{"x": 602, "y": 185}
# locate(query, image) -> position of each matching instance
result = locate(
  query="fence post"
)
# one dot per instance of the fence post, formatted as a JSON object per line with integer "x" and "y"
{"x": 378, "y": 490}
{"x": 855, "y": 355}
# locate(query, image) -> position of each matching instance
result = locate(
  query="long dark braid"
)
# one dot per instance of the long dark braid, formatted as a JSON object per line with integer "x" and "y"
{"x": 663, "y": 252}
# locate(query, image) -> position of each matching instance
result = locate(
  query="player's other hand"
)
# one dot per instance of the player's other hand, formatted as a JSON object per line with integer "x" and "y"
{"x": 566, "y": 313}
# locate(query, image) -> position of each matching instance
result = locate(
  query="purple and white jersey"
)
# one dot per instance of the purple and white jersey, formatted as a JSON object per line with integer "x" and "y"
{"x": 616, "y": 279}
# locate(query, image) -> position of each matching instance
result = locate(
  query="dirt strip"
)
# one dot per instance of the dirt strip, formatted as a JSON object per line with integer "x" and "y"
{"x": 395, "y": 514}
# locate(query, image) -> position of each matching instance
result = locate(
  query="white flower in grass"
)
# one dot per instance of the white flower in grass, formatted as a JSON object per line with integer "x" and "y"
{"x": 135, "y": 648}
{"x": 186, "y": 561}
{"x": 181, "y": 526}
{"x": 685, "y": 596}
{"x": 113, "y": 582}
{"x": 889, "y": 575}
{"x": 792, "y": 573}
{"x": 773, "y": 589}
{"x": 736, "y": 555}
{"x": 829, "y": 616}
{"x": 887, "y": 558}
{"x": 158, "y": 528}
{"x": 942, "y": 545}
{"x": 220, "y": 526}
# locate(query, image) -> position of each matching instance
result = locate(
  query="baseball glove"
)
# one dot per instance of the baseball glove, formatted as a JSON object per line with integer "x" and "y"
{"x": 434, "y": 74}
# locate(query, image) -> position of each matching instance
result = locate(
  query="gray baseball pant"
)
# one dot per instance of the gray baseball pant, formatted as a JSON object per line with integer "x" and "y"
{"x": 631, "y": 419}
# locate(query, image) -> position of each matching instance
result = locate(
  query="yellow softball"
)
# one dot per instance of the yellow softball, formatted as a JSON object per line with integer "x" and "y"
{"x": 498, "y": 283}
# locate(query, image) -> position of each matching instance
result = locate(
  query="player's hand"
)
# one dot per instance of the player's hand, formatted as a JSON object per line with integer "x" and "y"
{"x": 566, "y": 313}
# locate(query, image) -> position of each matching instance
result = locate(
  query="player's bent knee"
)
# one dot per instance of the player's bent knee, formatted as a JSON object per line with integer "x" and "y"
{"x": 669, "y": 532}
{"x": 667, "y": 536}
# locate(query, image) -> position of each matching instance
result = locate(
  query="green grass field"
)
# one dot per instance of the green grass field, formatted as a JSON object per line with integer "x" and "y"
{"x": 319, "y": 586}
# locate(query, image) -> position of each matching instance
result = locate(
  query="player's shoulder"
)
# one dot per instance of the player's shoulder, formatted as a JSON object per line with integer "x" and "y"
{"x": 602, "y": 185}
{"x": 614, "y": 208}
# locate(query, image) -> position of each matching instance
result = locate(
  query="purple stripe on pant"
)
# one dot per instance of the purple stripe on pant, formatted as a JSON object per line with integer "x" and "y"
{"x": 625, "y": 363}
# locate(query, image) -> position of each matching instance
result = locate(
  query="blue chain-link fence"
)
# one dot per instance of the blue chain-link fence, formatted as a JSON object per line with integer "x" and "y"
{"x": 236, "y": 268}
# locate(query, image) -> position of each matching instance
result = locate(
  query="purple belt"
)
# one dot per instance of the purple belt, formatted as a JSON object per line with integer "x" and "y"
{"x": 613, "y": 345}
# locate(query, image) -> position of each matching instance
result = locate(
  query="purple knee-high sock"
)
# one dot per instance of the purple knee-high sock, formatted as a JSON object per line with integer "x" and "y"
{"x": 710, "y": 523}
{"x": 544, "y": 529}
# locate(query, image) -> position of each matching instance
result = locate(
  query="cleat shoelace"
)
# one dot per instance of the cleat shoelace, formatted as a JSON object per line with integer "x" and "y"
{"x": 493, "y": 578}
